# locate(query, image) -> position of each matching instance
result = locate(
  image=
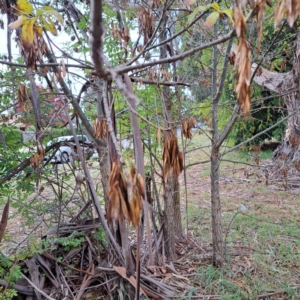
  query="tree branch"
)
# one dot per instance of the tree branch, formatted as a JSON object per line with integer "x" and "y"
{"x": 4, "y": 62}
{"x": 75, "y": 104}
{"x": 96, "y": 37}
{"x": 168, "y": 60}
{"x": 166, "y": 83}
{"x": 227, "y": 129}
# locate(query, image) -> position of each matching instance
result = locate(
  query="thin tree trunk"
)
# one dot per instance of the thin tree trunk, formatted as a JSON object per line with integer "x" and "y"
{"x": 169, "y": 219}
{"x": 217, "y": 239}
{"x": 103, "y": 152}
{"x": 172, "y": 213}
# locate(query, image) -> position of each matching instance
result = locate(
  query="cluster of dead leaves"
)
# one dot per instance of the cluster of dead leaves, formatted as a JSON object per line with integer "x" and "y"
{"x": 35, "y": 53}
{"x": 146, "y": 23}
{"x": 165, "y": 75}
{"x": 125, "y": 195}
{"x": 243, "y": 3}
{"x": 100, "y": 128}
{"x": 289, "y": 7}
{"x": 172, "y": 156}
{"x": 243, "y": 55}
{"x": 37, "y": 158}
{"x": 260, "y": 9}
{"x": 119, "y": 34}
{"x": 187, "y": 126}
{"x": 152, "y": 74}
{"x": 22, "y": 93}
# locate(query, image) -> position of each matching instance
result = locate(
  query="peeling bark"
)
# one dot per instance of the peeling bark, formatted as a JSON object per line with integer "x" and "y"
{"x": 283, "y": 83}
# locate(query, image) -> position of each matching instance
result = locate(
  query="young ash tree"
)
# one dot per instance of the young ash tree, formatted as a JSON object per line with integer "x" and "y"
{"x": 115, "y": 50}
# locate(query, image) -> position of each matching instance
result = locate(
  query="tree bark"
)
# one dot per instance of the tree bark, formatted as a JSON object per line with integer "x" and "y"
{"x": 169, "y": 217}
{"x": 172, "y": 213}
{"x": 103, "y": 153}
{"x": 288, "y": 84}
{"x": 217, "y": 239}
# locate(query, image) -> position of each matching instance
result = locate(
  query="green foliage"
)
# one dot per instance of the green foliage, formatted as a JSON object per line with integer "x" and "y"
{"x": 10, "y": 273}
{"x": 12, "y": 137}
{"x": 72, "y": 241}
{"x": 264, "y": 115}
{"x": 100, "y": 236}
{"x": 203, "y": 110}
{"x": 8, "y": 295}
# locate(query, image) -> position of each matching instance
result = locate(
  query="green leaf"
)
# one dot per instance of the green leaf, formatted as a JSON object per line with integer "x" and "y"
{"x": 193, "y": 14}
{"x": 215, "y": 6}
{"x": 38, "y": 12}
{"x": 49, "y": 26}
{"x": 212, "y": 19}
{"x": 51, "y": 11}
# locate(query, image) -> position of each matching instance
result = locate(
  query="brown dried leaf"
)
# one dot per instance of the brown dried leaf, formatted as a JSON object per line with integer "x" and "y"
{"x": 125, "y": 209}
{"x": 125, "y": 195}
{"x": 260, "y": 7}
{"x": 34, "y": 161}
{"x": 131, "y": 279}
{"x": 292, "y": 10}
{"x": 172, "y": 157}
{"x": 278, "y": 12}
{"x": 22, "y": 93}
{"x": 113, "y": 210}
{"x": 243, "y": 88}
{"x": 140, "y": 185}
{"x": 100, "y": 127}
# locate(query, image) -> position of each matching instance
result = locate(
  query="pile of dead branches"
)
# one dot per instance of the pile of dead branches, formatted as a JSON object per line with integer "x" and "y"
{"x": 84, "y": 272}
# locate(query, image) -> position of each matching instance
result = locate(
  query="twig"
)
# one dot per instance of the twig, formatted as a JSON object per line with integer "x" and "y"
{"x": 109, "y": 121}
{"x": 167, "y": 83}
{"x": 36, "y": 288}
{"x": 8, "y": 63}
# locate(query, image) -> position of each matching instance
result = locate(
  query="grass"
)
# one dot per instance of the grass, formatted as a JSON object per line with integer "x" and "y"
{"x": 270, "y": 228}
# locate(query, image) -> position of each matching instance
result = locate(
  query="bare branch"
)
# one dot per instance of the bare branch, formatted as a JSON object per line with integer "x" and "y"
{"x": 8, "y": 63}
{"x": 175, "y": 58}
{"x": 96, "y": 37}
{"x": 167, "y": 83}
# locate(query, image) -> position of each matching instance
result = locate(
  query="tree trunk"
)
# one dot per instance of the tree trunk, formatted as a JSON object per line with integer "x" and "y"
{"x": 169, "y": 217}
{"x": 287, "y": 84}
{"x": 217, "y": 239}
{"x": 103, "y": 153}
{"x": 289, "y": 149}
{"x": 177, "y": 211}
{"x": 172, "y": 213}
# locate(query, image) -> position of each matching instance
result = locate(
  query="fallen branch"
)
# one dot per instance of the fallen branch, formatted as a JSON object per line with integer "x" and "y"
{"x": 36, "y": 288}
